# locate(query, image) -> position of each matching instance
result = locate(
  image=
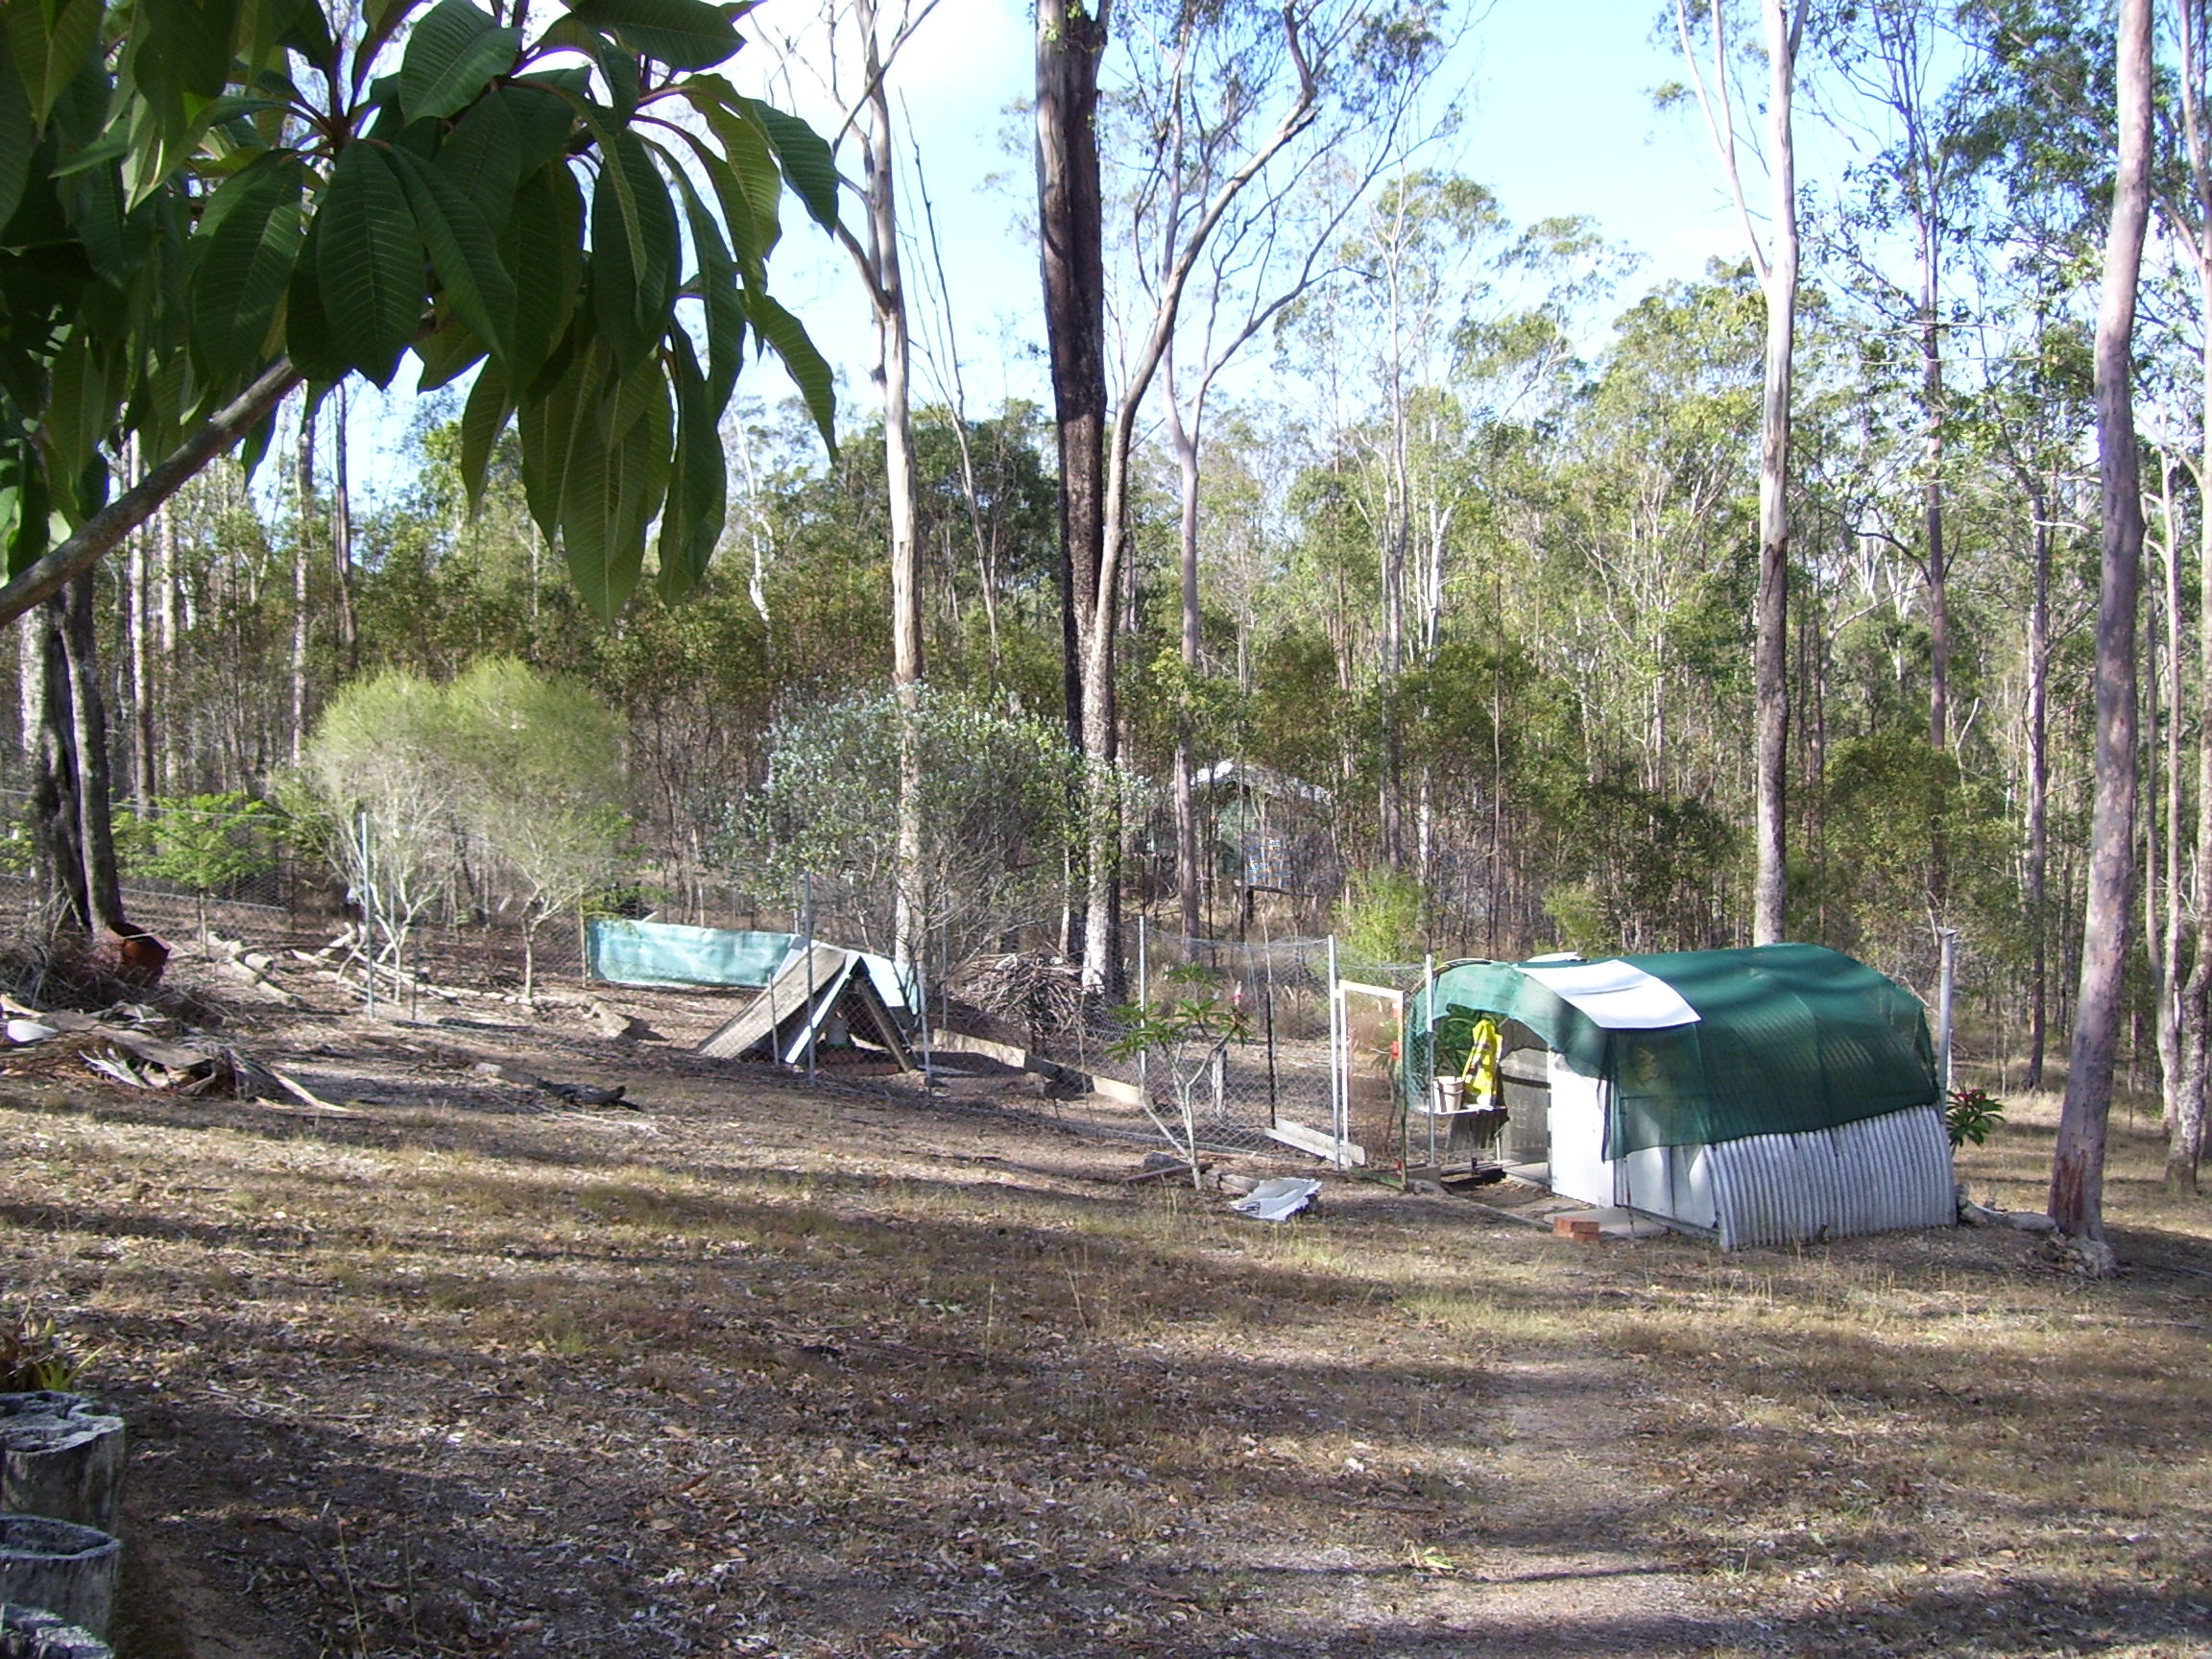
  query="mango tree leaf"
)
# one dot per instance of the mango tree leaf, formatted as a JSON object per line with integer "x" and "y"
{"x": 636, "y": 252}
{"x": 808, "y": 166}
{"x": 698, "y": 494}
{"x": 180, "y": 54}
{"x": 304, "y": 30}
{"x": 369, "y": 263}
{"x": 541, "y": 245}
{"x": 718, "y": 289}
{"x": 80, "y": 408}
{"x": 383, "y": 17}
{"x": 483, "y": 419}
{"x": 482, "y": 156}
{"x": 18, "y": 134}
{"x": 559, "y": 431}
{"x": 30, "y": 530}
{"x": 453, "y": 53}
{"x": 462, "y": 249}
{"x": 543, "y": 121}
{"x": 49, "y": 45}
{"x": 605, "y": 512}
{"x": 617, "y": 65}
{"x": 788, "y": 338}
{"x": 745, "y": 177}
{"x": 447, "y": 352}
{"x": 682, "y": 34}
{"x": 249, "y": 240}
{"x": 308, "y": 340}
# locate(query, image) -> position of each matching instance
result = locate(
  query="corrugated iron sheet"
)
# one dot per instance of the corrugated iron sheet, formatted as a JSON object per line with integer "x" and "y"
{"x": 1877, "y": 1175}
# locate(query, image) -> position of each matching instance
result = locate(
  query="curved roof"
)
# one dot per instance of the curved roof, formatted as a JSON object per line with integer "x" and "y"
{"x": 1781, "y": 1039}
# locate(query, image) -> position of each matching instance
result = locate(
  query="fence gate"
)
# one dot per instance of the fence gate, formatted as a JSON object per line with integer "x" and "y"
{"x": 1371, "y": 1114}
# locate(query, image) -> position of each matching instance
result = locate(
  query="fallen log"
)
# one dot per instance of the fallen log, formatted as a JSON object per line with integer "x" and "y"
{"x": 61, "y": 1457}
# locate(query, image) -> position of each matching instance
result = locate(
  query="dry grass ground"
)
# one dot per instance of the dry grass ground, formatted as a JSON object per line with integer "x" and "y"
{"x": 763, "y": 1371}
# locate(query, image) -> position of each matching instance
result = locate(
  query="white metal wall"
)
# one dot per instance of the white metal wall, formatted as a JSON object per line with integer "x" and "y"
{"x": 1878, "y": 1175}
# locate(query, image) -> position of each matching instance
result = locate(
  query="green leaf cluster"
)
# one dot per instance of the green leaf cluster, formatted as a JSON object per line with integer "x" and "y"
{"x": 193, "y": 191}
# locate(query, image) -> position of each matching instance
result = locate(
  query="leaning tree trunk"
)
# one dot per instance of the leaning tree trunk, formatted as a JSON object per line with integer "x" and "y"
{"x": 88, "y": 738}
{"x": 50, "y": 747}
{"x": 2078, "y": 1165}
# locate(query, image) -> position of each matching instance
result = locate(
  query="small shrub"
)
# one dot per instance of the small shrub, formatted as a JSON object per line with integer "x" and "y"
{"x": 1971, "y": 1115}
{"x": 33, "y": 1355}
{"x": 1379, "y": 917}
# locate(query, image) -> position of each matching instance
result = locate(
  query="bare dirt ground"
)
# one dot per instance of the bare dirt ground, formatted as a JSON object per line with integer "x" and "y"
{"x": 460, "y": 1368}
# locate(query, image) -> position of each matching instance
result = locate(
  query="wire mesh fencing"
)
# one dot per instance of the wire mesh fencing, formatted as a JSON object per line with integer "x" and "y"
{"x": 1217, "y": 1044}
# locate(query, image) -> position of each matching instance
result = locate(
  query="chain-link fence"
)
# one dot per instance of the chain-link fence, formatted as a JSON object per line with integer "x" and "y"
{"x": 1223, "y": 1045}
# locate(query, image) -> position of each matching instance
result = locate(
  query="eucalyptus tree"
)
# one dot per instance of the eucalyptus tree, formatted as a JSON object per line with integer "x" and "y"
{"x": 1776, "y": 259}
{"x": 1299, "y": 62}
{"x": 1197, "y": 86}
{"x": 204, "y": 208}
{"x": 2192, "y": 996}
{"x": 865, "y": 114}
{"x": 1072, "y": 39}
{"x": 1889, "y": 59}
{"x": 2078, "y": 1163}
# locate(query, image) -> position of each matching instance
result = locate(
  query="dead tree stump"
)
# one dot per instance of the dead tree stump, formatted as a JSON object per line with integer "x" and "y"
{"x": 34, "y": 1633}
{"x": 62, "y": 1457}
{"x": 65, "y": 1569}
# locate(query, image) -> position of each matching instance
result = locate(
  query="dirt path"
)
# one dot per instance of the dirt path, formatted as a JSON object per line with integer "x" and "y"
{"x": 1568, "y": 1571}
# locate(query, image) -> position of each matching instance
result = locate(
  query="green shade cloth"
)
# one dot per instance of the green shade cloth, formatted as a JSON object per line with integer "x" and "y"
{"x": 668, "y": 954}
{"x": 1789, "y": 1038}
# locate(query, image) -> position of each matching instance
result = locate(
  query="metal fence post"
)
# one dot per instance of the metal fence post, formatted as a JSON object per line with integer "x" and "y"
{"x": 1428, "y": 1101}
{"x": 1943, "y": 1003}
{"x": 367, "y": 916}
{"x": 807, "y": 924}
{"x": 1145, "y": 999}
{"x": 1340, "y": 1128}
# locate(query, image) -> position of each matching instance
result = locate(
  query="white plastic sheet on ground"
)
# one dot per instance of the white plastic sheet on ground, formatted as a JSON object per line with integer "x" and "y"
{"x": 1278, "y": 1199}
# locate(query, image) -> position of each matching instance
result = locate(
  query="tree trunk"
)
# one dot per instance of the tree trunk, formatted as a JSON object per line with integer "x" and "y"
{"x": 2038, "y": 794}
{"x": 1771, "y": 650}
{"x": 2185, "y": 1150}
{"x": 1071, "y": 43}
{"x": 341, "y": 537}
{"x": 50, "y": 749}
{"x": 88, "y": 738}
{"x": 1939, "y": 571}
{"x": 1183, "y": 440}
{"x": 887, "y": 294}
{"x": 2078, "y": 1165}
{"x": 303, "y": 551}
{"x": 2170, "y": 919}
{"x": 30, "y": 1633}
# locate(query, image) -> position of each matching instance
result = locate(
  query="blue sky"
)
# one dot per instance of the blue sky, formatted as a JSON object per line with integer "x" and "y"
{"x": 1558, "y": 120}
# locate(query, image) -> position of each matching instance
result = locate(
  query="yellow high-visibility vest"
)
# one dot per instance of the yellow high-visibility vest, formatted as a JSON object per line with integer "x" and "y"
{"x": 1484, "y": 1048}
